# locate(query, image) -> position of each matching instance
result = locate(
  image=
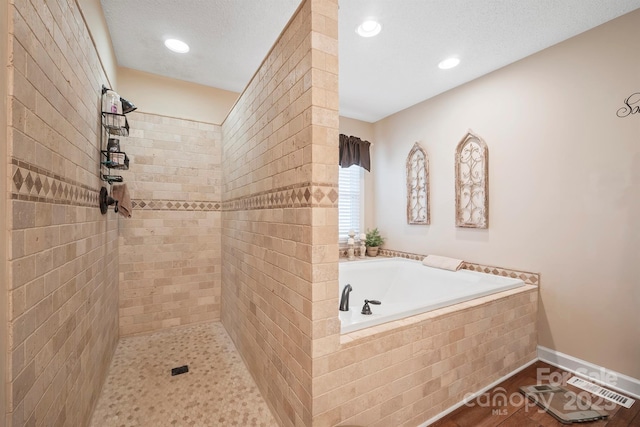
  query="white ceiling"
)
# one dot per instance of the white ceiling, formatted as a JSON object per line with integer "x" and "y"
{"x": 378, "y": 76}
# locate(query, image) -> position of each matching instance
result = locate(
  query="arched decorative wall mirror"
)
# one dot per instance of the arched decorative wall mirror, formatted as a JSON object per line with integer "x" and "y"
{"x": 418, "y": 186}
{"x": 472, "y": 182}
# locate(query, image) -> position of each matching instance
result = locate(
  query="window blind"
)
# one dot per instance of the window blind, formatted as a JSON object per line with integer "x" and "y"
{"x": 349, "y": 200}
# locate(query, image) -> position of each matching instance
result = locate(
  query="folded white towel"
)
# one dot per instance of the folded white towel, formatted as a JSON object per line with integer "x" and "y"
{"x": 442, "y": 262}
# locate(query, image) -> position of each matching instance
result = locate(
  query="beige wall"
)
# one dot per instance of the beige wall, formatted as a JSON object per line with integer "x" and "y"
{"x": 96, "y": 23}
{"x": 174, "y": 98}
{"x": 563, "y": 185}
{"x": 279, "y": 221}
{"x": 170, "y": 247}
{"x": 152, "y": 93}
{"x": 364, "y": 130}
{"x": 63, "y": 270}
{"x": 4, "y": 35}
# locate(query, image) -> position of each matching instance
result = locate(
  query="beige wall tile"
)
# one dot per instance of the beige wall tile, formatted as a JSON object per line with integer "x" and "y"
{"x": 63, "y": 253}
{"x": 277, "y": 255}
{"x": 404, "y": 374}
{"x": 170, "y": 254}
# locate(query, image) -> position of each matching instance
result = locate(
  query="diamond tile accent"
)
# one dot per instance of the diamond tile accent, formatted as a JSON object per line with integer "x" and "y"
{"x": 175, "y": 205}
{"x": 18, "y": 180}
{"x": 301, "y": 196}
{"x": 28, "y": 181}
{"x": 333, "y": 195}
{"x": 46, "y": 186}
{"x": 318, "y": 195}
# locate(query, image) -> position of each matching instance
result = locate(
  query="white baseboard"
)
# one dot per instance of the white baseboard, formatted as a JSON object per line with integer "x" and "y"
{"x": 476, "y": 394}
{"x": 590, "y": 372}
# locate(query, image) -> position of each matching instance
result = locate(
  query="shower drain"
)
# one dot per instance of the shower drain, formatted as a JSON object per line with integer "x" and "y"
{"x": 180, "y": 370}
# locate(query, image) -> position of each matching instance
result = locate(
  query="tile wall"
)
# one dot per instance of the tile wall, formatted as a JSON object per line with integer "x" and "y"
{"x": 170, "y": 248}
{"x": 279, "y": 220}
{"x": 63, "y": 254}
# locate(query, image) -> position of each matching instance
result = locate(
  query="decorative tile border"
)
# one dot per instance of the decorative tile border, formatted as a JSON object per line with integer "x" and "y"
{"x": 34, "y": 184}
{"x": 296, "y": 196}
{"x": 399, "y": 254}
{"x": 527, "y": 277}
{"x": 176, "y": 205}
{"x": 344, "y": 251}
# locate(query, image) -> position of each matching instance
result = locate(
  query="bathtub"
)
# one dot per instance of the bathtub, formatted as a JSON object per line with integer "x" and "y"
{"x": 406, "y": 288}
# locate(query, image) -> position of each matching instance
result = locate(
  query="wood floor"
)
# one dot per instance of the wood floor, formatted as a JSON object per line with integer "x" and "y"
{"x": 517, "y": 412}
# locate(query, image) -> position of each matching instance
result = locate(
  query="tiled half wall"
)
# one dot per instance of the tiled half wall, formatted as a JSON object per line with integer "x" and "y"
{"x": 405, "y": 372}
{"x": 170, "y": 247}
{"x": 279, "y": 230}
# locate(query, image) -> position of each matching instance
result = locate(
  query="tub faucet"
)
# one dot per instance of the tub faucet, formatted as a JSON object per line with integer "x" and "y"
{"x": 366, "y": 309}
{"x": 344, "y": 300}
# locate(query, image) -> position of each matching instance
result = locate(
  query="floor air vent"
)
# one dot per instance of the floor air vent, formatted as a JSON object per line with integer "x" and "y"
{"x": 180, "y": 370}
{"x": 601, "y": 391}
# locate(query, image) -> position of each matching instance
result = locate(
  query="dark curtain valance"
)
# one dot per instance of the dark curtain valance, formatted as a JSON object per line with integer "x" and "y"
{"x": 354, "y": 151}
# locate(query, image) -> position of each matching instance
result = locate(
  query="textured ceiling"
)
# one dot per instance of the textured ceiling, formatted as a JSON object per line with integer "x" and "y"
{"x": 378, "y": 76}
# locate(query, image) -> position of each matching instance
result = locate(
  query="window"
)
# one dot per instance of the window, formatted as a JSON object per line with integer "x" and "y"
{"x": 349, "y": 201}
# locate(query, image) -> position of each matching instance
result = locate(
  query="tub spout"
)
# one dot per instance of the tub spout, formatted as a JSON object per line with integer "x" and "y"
{"x": 344, "y": 300}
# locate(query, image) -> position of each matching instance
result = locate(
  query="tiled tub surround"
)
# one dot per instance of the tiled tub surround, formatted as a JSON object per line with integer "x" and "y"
{"x": 63, "y": 254}
{"x": 170, "y": 247}
{"x": 407, "y": 371}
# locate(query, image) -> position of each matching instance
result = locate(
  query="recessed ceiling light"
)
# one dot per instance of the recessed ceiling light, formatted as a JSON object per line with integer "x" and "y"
{"x": 176, "y": 45}
{"x": 448, "y": 63}
{"x": 369, "y": 28}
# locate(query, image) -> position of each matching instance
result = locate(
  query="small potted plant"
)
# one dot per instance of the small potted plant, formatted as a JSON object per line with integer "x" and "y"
{"x": 373, "y": 241}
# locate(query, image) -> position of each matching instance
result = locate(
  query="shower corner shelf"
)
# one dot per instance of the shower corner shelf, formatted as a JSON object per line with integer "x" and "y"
{"x": 110, "y": 179}
{"x": 110, "y": 164}
{"x": 115, "y": 124}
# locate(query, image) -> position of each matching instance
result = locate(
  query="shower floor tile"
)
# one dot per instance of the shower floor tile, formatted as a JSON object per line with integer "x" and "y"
{"x": 217, "y": 391}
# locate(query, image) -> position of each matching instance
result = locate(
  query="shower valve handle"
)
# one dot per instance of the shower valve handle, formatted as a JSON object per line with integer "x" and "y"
{"x": 366, "y": 309}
